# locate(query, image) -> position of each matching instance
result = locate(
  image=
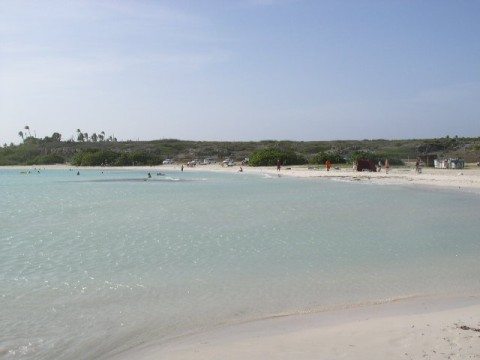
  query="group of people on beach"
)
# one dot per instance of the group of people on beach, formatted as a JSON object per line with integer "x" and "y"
{"x": 328, "y": 165}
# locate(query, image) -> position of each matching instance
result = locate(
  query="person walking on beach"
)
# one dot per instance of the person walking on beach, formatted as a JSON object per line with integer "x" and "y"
{"x": 379, "y": 165}
{"x": 278, "y": 165}
{"x": 387, "y": 166}
{"x": 417, "y": 166}
{"x": 328, "y": 164}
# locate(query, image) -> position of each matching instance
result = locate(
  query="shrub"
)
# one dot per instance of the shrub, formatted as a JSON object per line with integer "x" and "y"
{"x": 269, "y": 157}
{"x": 375, "y": 158}
{"x": 323, "y": 157}
{"x": 47, "y": 160}
{"x": 94, "y": 157}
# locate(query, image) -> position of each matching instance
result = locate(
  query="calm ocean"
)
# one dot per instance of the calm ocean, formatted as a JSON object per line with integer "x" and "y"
{"x": 98, "y": 263}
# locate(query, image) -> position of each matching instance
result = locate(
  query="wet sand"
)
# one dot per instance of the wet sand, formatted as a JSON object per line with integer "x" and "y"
{"x": 420, "y": 328}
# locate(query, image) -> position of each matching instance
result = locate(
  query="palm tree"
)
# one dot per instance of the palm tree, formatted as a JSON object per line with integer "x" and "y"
{"x": 78, "y": 134}
{"x": 28, "y": 128}
{"x": 20, "y": 133}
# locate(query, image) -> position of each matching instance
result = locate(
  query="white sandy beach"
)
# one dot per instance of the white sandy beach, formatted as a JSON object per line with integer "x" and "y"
{"x": 465, "y": 179}
{"x": 408, "y": 329}
{"x": 418, "y": 328}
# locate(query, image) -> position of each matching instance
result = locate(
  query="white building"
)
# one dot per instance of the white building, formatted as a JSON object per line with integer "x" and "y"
{"x": 449, "y": 163}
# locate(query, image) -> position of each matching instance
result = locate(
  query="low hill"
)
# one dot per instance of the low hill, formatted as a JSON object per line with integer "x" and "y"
{"x": 35, "y": 151}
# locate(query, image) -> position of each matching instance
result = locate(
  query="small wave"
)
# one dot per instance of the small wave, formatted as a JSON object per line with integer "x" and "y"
{"x": 270, "y": 176}
{"x": 117, "y": 180}
{"x": 129, "y": 180}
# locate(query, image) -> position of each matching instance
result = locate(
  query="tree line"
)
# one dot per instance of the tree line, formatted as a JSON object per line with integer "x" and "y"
{"x": 99, "y": 149}
{"x": 26, "y": 136}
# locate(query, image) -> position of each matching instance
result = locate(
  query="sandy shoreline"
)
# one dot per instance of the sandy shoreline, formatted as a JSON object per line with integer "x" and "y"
{"x": 420, "y": 328}
{"x": 467, "y": 179}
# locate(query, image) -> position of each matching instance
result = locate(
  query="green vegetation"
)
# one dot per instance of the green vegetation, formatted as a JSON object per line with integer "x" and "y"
{"x": 96, "y": 157}
{"x": 98, "y": 149}
{"x": 376, "y": 157}
{"x": 323, "y": 157}
{"x": 28, "y": 154}
{"x": 269, "y": 157}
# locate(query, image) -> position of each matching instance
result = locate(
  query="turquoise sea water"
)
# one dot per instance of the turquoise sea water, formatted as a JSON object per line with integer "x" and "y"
{"x": 98, "y": 263}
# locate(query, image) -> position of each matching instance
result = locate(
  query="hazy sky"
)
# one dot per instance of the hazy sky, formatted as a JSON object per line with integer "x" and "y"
{"x": 240, "y": 69}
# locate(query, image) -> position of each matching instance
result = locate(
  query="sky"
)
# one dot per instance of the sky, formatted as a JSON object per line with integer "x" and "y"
{"x": 240, "y": 70}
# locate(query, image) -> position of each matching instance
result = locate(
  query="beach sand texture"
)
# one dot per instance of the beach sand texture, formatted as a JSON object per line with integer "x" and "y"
{"x": 408, "y": 329}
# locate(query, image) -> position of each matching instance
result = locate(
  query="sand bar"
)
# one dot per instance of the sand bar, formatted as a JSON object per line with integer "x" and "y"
{"x": 420, "y": 328}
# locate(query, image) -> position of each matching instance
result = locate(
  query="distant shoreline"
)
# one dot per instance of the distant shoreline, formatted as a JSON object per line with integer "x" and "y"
{"x": 466, "y": 180}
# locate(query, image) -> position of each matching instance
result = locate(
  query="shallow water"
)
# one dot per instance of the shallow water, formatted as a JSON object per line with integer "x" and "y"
{"x": 97, "y": 263}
